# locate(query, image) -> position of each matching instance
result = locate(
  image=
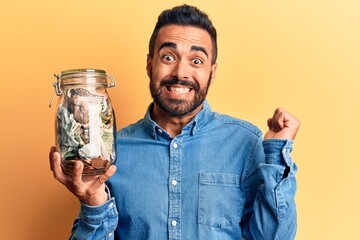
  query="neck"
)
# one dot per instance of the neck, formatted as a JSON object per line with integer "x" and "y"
{"x": 172, "y": 125}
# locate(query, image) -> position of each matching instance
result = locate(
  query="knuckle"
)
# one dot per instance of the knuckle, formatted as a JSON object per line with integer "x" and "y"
{"x": 279, "y": 110}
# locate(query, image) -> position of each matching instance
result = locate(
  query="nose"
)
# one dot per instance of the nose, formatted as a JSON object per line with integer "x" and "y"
{"x": 181, "y": 70}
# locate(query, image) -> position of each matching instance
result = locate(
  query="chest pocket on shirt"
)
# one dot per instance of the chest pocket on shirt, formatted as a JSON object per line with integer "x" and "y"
{"x": 220, "y": 201}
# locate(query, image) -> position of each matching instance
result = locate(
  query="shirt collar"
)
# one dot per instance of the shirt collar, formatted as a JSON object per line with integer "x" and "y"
{"x": 195, "y": 125}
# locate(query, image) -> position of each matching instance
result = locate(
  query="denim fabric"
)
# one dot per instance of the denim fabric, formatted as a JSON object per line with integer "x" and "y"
{"x": 218, "y": 179}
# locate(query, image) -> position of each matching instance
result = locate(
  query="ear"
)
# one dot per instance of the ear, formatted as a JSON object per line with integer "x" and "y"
{"x": 148, "y": 65}
{"x": 213, "y": 72}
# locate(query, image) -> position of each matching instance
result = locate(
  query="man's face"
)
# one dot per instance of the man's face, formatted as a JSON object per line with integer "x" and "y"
{"x": 181, "y": 71}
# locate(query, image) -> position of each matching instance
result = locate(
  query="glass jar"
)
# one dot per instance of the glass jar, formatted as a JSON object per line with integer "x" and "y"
{"x": 85, "y": 120}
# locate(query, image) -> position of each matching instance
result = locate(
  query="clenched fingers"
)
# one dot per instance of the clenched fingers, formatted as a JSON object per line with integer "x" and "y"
{"x": 282, "y": 125}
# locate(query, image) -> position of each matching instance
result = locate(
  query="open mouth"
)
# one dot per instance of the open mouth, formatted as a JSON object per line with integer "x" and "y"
{"x": 179, "y": 89}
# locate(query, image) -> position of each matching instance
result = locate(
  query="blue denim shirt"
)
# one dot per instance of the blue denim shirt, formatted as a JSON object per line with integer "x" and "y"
{"x": 218, "y": 179}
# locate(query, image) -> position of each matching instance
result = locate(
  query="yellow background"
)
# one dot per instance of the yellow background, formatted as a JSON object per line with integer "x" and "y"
{"x": 303, "y": 55}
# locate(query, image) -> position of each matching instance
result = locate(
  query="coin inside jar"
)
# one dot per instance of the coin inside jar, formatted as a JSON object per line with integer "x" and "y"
{"x": 97, "y": 163}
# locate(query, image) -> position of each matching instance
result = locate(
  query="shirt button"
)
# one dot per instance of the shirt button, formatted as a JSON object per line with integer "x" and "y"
{"x": 110, "y": 234}
{"x": 159, "y": 130}
{"x": 173, "y": 182}
{"x": 173, "y": 223}
{"x": 175, "y": 145}
{"x": 111, "y": 205}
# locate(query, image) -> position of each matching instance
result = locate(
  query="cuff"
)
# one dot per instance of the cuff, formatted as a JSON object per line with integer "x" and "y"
{"x": 278, "y": 151}
{"x": 97, "y": 214}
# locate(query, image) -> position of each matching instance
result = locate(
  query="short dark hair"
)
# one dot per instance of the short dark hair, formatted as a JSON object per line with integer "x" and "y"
{"x": 185, "y": 15}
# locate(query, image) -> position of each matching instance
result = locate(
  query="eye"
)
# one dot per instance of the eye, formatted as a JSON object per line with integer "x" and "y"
{"x": 168, "y": 58}
{"x": 197, "y": 61}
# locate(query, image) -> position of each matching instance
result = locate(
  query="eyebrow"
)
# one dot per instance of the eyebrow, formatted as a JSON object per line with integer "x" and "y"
{"x": 173, "y": 45}
{"x": 201, "y": 49}
{"x": 167, "y": 44}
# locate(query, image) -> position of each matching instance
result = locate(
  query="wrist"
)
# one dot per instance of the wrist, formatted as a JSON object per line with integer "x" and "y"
{"x": 96, "y": 199}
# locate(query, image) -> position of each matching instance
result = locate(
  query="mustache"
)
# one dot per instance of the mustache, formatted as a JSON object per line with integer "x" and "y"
{"x": 176, "y": 81}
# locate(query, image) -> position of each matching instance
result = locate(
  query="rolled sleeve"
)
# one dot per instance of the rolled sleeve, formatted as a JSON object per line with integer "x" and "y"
{"x": 274, "y": 210}
{"x": 96, "y": 222}
{"x": 281, "y": 187}
{"x": 278, "y": 151}
{"x": 99, "y": 214}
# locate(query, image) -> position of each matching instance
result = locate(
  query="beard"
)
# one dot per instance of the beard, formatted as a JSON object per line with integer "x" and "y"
{"x": 178, "y": 107}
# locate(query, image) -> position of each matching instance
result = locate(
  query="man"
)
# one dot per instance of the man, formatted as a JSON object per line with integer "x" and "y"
{"x": 183, "y": 171}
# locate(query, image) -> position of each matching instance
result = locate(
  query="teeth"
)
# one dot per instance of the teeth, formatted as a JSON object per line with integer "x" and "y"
{"x": 179, "y": 90}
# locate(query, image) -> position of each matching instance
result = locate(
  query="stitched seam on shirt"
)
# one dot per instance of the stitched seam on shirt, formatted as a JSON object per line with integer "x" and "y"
{"x": 249, "y": 159}
{"x": 217, "y": 179}
{"x": 233, "y": 121}
{"x": 129, "y": 130}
